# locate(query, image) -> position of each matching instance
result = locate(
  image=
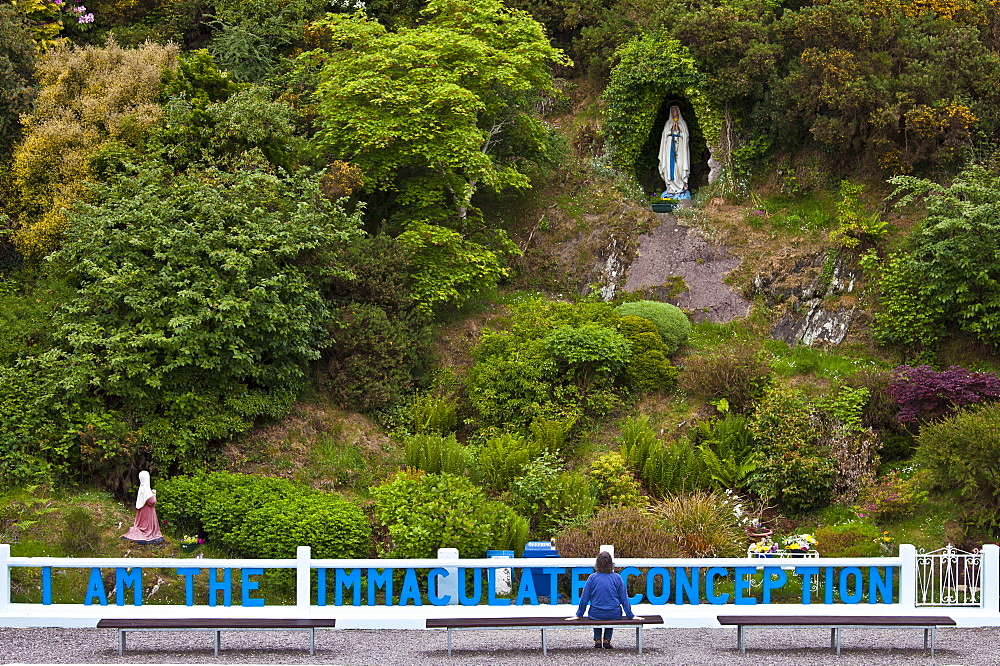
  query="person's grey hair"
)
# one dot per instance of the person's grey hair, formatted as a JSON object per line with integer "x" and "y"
{"x": 604, "y": 563}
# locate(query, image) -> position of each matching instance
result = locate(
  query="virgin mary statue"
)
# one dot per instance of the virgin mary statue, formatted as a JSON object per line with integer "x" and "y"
{"x": 146, "y": 528}
{"x": 675, "y": 153}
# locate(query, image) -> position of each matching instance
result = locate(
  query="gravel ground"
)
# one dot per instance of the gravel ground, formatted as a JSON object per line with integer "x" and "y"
{"x": 676, "y": 647}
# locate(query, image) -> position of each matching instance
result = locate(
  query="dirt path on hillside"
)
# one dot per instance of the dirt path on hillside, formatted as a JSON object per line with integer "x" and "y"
{"x": 672, "y": 249}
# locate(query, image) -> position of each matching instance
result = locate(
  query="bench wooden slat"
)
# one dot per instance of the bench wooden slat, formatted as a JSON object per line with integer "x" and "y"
{"x": 214, "y": 623}
{"x": 497, "y": 622}
{"x": 840, "y": 620}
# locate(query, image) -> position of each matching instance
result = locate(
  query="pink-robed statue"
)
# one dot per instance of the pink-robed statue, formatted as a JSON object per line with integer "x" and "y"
{"x": 146, "y": 528}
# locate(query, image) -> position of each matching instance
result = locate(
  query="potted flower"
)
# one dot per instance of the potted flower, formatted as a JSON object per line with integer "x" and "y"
{"x": 763, "y": 548}
{"x": 756, "y": 530}
{"x": 799, "y": 544}
{"x": 190, "y": 543}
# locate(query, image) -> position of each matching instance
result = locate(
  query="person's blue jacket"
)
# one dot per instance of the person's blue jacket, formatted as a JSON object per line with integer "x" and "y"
{"x": 607, "y": 596}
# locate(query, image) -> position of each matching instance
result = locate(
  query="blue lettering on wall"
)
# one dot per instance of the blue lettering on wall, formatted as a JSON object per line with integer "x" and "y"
{"x": 576, "y": 583}
{"x": 347, "y": 581}
{"x": 807, "y": 574}
{"x": 189, "y": 575}
{"x": 687, "y": 586}
{"x": 378, "y": 581}
{"x": 247, "y": 586}
{"x": 432, "y": 586}
{"x": 410, "y": 591}
{"x": 553, "y": 591}
{"x": 710, "y": 576}
{"x": 477, "y": 587}
{"x": 828, "y": 586}
{"x": 664, "y": 576}
{"x": 879, "y": 585}
{"x": 742, "y": 584}
{"x": 627, "y": 573}
{"x": 125, "y": 579}
{"x": 95, "y": 589}
{"x": 770, "y": 583}
{"x": 225, "y": 586}
{"x": 847, "y": 595}
{"x": 526, "y": 590}
{"x": 46, "y": 586}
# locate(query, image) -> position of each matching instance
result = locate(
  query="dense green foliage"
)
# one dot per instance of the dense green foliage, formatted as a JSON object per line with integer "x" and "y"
{"x": 672, "y": 324}
{"x": 264, "y": 517}
{"x": 16, "y": 76}
{"x": 962, "y": 454}
{"x": 437, "y": 110}
{"x": 948, "y": 275}
{"x": 216, "y": 243}
{"x": 424, "y": 512}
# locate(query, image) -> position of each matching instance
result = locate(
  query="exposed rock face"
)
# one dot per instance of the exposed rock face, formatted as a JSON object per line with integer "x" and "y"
{"x": 611, "y": 266}
{"x": 670, "y": 251}
{"x": 804, "y": 290}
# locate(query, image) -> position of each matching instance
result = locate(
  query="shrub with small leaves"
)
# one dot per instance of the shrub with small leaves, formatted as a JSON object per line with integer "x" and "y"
{"x": 925, "y": 395}
{"x": 649, "y": 368}
{"x": 795, "y": 468}
{"x": 893, "y": 496}
{"x": 332, "y": 527}
{"x": 852, "y": 539}
{"x": 961, "y": 454}
{"x": 673, "y": 325}
{"x": 633, "y": 531}
{"x": 614, "y": 482}
{"x": 424, "y": 512}
{"x": 739, "y": 372}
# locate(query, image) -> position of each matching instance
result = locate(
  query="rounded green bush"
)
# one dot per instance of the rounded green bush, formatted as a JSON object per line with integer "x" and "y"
{"x": 853, "y": 539}
{"x": 333, "y": 527}
{"x": 671, "y": 323}
{"x": 424, "y": 512}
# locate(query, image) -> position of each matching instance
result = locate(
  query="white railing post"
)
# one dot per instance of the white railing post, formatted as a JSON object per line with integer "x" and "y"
{"x": 303, "y": 586}
{"x": 908, "y": 576}
{"x": 448, "y": 585}
{"x": 4, "y": 576}
{"x": 989, "y": 572}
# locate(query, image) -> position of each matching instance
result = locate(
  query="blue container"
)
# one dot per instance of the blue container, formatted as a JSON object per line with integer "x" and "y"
{"x": 540, "y": 549}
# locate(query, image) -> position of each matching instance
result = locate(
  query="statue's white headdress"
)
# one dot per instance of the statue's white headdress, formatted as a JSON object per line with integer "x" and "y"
{"x": 145, "y": 490}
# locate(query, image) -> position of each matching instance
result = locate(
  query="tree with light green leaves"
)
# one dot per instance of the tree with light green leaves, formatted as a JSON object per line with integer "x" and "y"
{"x": 438, "y": 111}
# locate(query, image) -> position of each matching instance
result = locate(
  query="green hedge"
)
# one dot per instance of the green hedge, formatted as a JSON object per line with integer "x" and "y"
{"x": 263, "y": 516}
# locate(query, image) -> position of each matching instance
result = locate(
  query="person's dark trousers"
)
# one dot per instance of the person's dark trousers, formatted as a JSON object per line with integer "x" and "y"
{"x": 607, "y": 633}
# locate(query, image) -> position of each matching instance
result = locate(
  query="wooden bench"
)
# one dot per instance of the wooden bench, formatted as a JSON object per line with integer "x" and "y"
{"x": 836, "y": 622}
{"x": 543, "y": 623}
{"x": 213, "y": 624}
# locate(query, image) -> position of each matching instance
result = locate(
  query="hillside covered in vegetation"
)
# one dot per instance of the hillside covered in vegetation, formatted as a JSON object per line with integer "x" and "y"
{"x": 353, "y": 274}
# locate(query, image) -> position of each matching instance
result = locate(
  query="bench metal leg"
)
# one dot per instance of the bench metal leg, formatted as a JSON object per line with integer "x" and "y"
{"x": 933, "y": 639}
{"x": 121, "y": 642}
{"x": 218, "y": 641}
{"x": 545, "y": 645}
{"x": 833, "y": 637}
{"x": 740, "y": 640}
{"x": 836, "y": 630}
{"x": 312, "y": 641}
{"x": 638, "y": 637}
{"x": 449, "y": 641}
